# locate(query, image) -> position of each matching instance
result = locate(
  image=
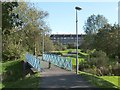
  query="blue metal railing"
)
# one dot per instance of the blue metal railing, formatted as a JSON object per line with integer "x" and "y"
{"x": 33, "y": 61}
{"x": 59, "y": 61}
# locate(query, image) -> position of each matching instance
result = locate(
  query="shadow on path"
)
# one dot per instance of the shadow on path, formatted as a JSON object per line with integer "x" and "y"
{"x": 64, "y": 81}
{"x": 56, "y": 77}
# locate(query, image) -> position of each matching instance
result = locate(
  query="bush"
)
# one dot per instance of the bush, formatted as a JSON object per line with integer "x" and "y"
{"x": 99, "y": 59}
{"x": 11, "y": 52}
{"x": 104, "y": 71}
{"x": 69, "y": 46}
{"x": 90, "y": 70}
{"x": 58, "y": 46}
{"x": 83, "y": 65}
{"x": 116, "y": 69}
{"x": 96, "y": 63}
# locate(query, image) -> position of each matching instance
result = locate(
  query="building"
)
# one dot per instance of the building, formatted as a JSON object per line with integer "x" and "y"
{"x": 67, "y": 39}
{"x": 119, "y": 12}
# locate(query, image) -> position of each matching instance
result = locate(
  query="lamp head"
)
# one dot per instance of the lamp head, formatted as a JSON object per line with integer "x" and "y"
{"x": 78, "y": 8}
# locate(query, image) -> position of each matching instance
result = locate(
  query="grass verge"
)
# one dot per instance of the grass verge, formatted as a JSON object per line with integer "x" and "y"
{"x": 99, "y": 81}
{"x": 74, "y": 60}
{"x": 12, "y": 76}
{"x": 112, "y": 79}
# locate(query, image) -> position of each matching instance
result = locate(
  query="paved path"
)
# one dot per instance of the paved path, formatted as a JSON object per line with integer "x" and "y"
{"x": 56, "y": 77}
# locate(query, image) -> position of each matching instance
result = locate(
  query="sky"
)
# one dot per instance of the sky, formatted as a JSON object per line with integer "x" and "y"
{"x": 61, "y": 19}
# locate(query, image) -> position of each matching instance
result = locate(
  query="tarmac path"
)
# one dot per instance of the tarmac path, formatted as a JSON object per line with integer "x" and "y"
{"x": 56, "y": 77}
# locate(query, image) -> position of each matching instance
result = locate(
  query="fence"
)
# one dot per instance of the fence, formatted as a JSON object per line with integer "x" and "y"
{"x": 33, "y": 61}
{"x": 59, "y": 61}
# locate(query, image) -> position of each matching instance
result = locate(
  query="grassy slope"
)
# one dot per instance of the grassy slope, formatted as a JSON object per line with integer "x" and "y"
{"x": 27, "y": 82}
{"x": 73, "y": 58}
{"x": 101, "y": 82}
{"x": 12, "y": 75}
{"x": 113, "y": 79}
{"x": 0, "y": 73}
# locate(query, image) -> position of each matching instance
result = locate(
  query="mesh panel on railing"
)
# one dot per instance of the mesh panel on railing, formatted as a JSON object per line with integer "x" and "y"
{"x": 33, "y": 61}
{"x": 59, "y": 61}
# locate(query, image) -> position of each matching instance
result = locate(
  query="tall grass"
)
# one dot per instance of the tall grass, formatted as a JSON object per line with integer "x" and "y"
{"x": 12, "y": 75}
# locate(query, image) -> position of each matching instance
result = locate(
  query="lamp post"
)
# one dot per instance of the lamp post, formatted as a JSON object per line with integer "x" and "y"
{"x": 77, "y": 8}
{"x": 43, "y": 45}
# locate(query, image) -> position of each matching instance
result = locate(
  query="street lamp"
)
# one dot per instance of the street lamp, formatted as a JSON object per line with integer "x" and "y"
{"x": 43, "y": 44}
{"x": 77, "y": 8}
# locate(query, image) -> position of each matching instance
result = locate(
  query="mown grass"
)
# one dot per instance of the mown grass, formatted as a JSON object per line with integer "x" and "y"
{"x": 101, "y": 82}
{"x": 74, "y": 60}
{"x": 12, "y": 75}
{"x": 113, "y": 79}
{"x": 80, "y": 58}
{"x": 0, "y": 67}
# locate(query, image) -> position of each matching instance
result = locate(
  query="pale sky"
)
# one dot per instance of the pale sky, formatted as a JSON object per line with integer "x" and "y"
{"x": 61, "y": 18}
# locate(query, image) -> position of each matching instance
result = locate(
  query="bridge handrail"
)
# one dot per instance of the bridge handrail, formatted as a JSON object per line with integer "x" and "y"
{"x": 59, "y": 61}
{"x": 33, "y": 61}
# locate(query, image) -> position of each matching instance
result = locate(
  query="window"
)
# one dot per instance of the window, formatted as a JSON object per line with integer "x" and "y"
{"x": 72, "y": 38}
{"x": 64, "y": 37}
{"x": 61, "y": 37}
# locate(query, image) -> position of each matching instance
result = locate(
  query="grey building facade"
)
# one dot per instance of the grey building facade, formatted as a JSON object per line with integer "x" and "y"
{"x": 67, "y": 39}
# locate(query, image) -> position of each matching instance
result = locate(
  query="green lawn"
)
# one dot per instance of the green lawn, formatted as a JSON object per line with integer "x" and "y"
{"x": 12, "y": 75}
{"x": 74, "y": 60}
{"x": 112, "y": 79}
{"x": 101, "y": 81}
{"x": 0, "y": 67}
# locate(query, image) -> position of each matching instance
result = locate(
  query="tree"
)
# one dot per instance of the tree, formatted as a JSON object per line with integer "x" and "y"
{"x": 107, "y": 39}
{"x": 26, "y": 36}
{"x": 59, "y": 46}
{"x": 33, "y": 25}
{"x": 91, "y": 27}
{"x": 9, "y": 19}
{"x": 48, "y": 44}
{"x": 94, "y": 23}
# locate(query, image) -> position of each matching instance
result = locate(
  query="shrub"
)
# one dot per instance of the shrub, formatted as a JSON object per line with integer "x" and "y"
{"x": 83, "y": 65}
{"x": 116, "y": 69}
{"x": 104, "y": 70}
{"x": 90, "y": 70}
{"x": 99, "y": 59}
{"x": 12, "y": 52}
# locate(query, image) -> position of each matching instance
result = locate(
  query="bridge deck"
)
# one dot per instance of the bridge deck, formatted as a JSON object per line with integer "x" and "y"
{"x": 56, "y": 77}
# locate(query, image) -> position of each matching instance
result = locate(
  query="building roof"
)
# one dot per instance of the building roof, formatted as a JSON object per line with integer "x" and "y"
{"x": 66, "y": 35}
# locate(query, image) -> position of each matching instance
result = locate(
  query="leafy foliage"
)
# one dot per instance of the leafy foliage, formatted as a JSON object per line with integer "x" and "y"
{"x": 59, "y": 46}
{"x": 99, "y": 59}
{"x": 107, "y": 39}
{"x": 98, "y": 63}
{"x": 91, "y": 27}
{"x": 94, "y": 23}
{"x": 25, "y": 30}
{"x": 102, "y": 36}
{"x": 8, "y": 18}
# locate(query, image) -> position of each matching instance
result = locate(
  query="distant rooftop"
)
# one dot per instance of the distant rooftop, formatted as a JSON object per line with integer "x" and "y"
{"x": 66, "y": 35}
